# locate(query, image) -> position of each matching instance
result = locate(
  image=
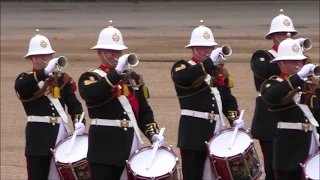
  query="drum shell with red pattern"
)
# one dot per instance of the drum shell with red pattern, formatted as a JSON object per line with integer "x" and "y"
{"x": 239, "y": 162}
{"x": 73, "y": 166}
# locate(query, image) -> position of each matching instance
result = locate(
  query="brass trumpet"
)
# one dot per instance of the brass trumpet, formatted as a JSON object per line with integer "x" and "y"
{"x": 133, "y": 60}
{"x": 305, "y": 43}
{"x": 316, "y": 72}
{"x": 62, "y": 63}
{"x": 225, "y": 51}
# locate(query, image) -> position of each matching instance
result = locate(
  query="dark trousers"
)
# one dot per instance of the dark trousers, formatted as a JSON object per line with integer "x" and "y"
{"x": 289, "y": 175}
{"x": 105, "y": 172}
{"x": 38, "y": 167}
{"x": 192, "y": 164}
{"x": 267, "y": 150}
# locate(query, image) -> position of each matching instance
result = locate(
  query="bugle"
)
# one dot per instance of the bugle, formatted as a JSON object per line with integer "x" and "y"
{"x": 226, "y": 50}
{"x": 61, "y": 63}
{"x": 305, "y": 43}
{"x": 316, "y": 72}
{"x": 133, "y": 60}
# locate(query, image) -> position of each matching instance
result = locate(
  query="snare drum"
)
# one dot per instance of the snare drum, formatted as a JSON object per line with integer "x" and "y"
{"x": 239, "y": 162}
{"x": 311, "y": 166}
{"x": 73, "y": 166}
{"x": 164, "y": 165}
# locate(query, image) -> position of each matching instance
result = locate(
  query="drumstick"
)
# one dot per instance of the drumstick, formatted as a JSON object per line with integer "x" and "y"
{"x": 155, "y": 148}
{"x": 74, "y": 135}
{"x": 235, "y": 131}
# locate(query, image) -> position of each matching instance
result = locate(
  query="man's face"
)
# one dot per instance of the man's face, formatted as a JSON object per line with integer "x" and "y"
{"x": 279, "y": 37}
{"x": 202, "y": 52}
{"x": 109, "y": 57}
{"x": 40, "y": 61}
{"x": 291, "y": 66}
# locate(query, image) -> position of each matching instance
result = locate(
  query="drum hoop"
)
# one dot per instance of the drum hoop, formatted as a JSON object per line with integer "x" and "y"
{"x": 227, "y": 130}
{"x": 74, "y": 164}
{"x": 307, "y": 160}
{"x": 147, "y": 148}
{"x": 53, "y": 152}
{"x": 235, "y": 156}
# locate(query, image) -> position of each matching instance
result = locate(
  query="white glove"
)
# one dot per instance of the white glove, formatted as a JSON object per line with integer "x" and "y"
{"x": 51, "y": 65}
{"x": 239, "y": 123}
{"x": 79, "y": 128}
{"x": 157, "y": 137}
{"x": 300, "y": 40}
{"x": 306, "y": 70}
{"x": 215, "y": 55}
{"x": 122, "y": 63}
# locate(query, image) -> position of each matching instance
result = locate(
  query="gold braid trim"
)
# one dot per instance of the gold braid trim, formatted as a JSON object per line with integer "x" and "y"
{"x": 203, "y": 69}
{"x": 108, "y": 81}
{"x": 290, "y": 85}
{"x": 152, "y": 129}
{"x": 35, "y": 76}
{"x": 282, "y": 109}
{"x": 180, "y": 97}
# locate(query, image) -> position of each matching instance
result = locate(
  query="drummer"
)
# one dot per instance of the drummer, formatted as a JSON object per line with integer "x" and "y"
{"x": 44, "y": 97}
{"x": 117, "y": 104}
{"x": 204, "y": 93}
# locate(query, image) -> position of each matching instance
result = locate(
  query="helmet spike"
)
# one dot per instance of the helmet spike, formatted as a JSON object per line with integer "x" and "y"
{"x": 281, "y": 11}
{"x": 201, "y": 23}
{"x": 110, "y": 24}
{"x": 288, "y": 35}
{"x": 37, "y": 31}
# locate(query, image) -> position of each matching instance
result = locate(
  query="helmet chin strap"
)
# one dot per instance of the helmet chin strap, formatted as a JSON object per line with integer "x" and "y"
{"x": 196, "y": 52}
{"x": 107, "y": 61}
{"x": 277, "y": 39}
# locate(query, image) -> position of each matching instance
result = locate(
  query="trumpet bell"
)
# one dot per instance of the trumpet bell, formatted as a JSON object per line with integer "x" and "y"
{"x": 133, "y": 59}
{"x": 62, "y": 62}
{"x": 316, "y": 71}
{"x": 307, "y": 44}
{"x": 226, "y": 50}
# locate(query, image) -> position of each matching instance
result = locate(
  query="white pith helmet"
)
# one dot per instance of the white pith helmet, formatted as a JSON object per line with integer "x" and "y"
{"x": 110, "y": 38}
{"x": 201, "y": 36}
{"x": 289, "y": 49}
{"x": 281, "y": 23}
{"x": 39, "y": 45}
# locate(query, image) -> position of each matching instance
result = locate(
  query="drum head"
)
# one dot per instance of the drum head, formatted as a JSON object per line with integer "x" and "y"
{"x": 78, "y": 151}
{"x": 313, "y": 166}
{"x": 219, "y": 145}
{"x": 163, "y": 162}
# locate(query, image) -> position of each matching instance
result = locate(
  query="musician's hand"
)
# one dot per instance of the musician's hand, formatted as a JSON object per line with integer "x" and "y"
{"x": 215, "y": 54}
{"x": 300, "y": 40}
{"x": 79, "y": 128}
{"x": 306, "y": 70}
{"x": 157, "y": 137}
{"x": 51, "y": 65}
{"x": 122, "y": 63}
{"x": 239, "y": 123}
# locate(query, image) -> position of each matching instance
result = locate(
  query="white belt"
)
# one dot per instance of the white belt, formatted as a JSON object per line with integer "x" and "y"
{"x": 298, "y": 126}
{"x": 44, "y": 119}
{"x": 198, "y": 114}
{"x": 112, "y": 122}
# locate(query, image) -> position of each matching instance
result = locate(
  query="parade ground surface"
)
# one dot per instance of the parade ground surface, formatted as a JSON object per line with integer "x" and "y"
{"x": 157, "y": 32}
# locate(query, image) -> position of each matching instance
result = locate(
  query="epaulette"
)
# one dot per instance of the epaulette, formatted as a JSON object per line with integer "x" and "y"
{"x": 182, "y": 64}
{"x": 261, "y": 60}
{"x": 28, "y": 72}
{"x": 276, "y": 77}
{"x": 90, "y": 70}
